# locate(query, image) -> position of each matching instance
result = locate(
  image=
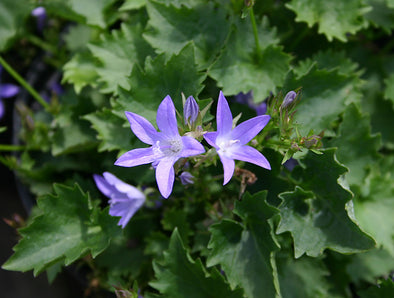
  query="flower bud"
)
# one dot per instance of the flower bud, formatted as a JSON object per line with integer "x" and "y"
{"x": 289, "y": 98}
{"x": 190, "y": 110}
{"x": 186, "y": 178}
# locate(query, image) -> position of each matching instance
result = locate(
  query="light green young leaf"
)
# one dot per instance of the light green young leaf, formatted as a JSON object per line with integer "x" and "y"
{"x": 315, "y": 213}
{"x": 118, "y": 53}
{"x": 132, "y": 4}
{"x": 335, "y": 18}
{"x": 357, "y": 149}
{"x": 160, "y": 78}
{"x": 324, "y": 97}
{"x": 179, "y": 276}
{"x": 171, "y": 28}
{"x": 240, "y": 68}
{"x": 245, "y": 251}
{"x": 12, "y": 14}
{"x": 68, "y": 228}
{"x": 92, "y": 10}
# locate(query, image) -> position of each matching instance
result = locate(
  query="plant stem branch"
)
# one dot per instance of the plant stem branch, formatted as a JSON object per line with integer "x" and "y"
{"x": 23, "y": 83}
{"x": 255, "y": 32}
{"x": 5, "y": 147}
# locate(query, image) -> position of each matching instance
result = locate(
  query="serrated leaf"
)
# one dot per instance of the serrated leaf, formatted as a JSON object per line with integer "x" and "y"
{"x": 160, "y": 78}
{"x": 92, "y": 10}
{"x": 240, "y": 68}
{"x": 324, "y": 96}
{"x": 335, "y": 18}
{"x": 315, "y": 214}
{"x": 111, "y": 131}
{"x": 118, "y": 53}
{"x": 374, "y": 210}
{"x": 245, "y": 251}
{"x": 381, "y": 15}
{"x": 304, "y": 277}
{"x": 67, "y": 228}
{"x": 132, "y": 4}
{"x": 357, "y": 149}
{"x": 175, "y": 218}
{"x": 80, "y": 71}
{"x": 171, "y": 28}
{"x": 179, "y": 276}
{"x": 77, "y": 37}
{"x": 12, "y": 14}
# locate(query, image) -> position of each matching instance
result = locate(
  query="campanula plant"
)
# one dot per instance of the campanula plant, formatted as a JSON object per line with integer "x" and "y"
{"x": 201, "y": 148}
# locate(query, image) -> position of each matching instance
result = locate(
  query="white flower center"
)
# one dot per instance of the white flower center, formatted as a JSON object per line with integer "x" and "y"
{"x": 226, "y": 146}
{"x": 168, "y": 148}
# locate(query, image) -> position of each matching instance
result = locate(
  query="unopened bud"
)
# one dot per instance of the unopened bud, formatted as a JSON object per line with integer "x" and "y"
{"x": 190, "y": 110}
{"x": 289, "y": 98}
{"x": 186, "y": 178}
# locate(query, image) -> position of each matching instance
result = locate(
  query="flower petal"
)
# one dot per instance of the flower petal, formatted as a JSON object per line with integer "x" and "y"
{"x": 106, "y": 188}
{"x": 210, "y": 137}
{"x": 142, "y": 128}
{"x": 191, "y": 147}
{"x": 119, "y": 185}
{"x": 8, "y": 90}
{"x": 252, "y": 155}
{"x": 166, "y": 118}
{"x": 165, "y": 176}
{"x": 224, "y": 118}
{"x": 136, "y": 157}
{"x": 228, "y": 168}
{"x": 126, "y": 209}
{"x": 248, "y": 129}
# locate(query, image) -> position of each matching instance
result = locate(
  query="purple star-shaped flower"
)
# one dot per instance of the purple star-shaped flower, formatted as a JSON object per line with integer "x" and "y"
{"x": 167, "y": 145}
{"x": 230, "y": 143}
{"x": 125, "y": 200}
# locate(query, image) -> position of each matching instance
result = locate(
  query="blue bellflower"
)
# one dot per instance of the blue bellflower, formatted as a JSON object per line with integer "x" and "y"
{"x": 125, "y": 200}
{"x": 230, "y": 143}
{"x": 167, "y": 146}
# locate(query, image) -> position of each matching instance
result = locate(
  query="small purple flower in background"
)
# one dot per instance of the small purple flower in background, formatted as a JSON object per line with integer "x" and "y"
{"x": 125, "y": 200}
{"x": 167, "y": 145}
{"x": 290, "y": 164}
{"x": 186, "y": 178}
{"x": 6, "y": 91}
{"x": 289, "y": 98}
{"x": 230, "y": 143}
{"x": 190, "y": 110}
{"x": 242, "y": 98}
{"x": 41, "y": 15}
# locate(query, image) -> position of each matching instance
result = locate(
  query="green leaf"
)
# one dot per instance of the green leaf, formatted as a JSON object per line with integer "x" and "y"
{"x": 68, "y": 227}
{"x": 374, "y": 209}
{"x": 315, "y": 213}
{"x": 81, "y": 71}
{"x": 389, "y": 92}
{"x": 132, "y": 4}
{"x": 93, "y": 11}
{"x": 357, "y": 149}
{"x": 175, "y": 218}
{"x": 179, "y": 276}
{"x": 245, "y": 251}
{"x": 381, "y": 15}
{"x": 369, "y": 265}
{"x": 241, "y": 69}
{"x": 304, "y": 277}
{"x": 160, "y": 78}
{"x": 171, "y": 28}
{"x": 118, "y": 53}
{"x": 111, "y": 131}
{"x": 324, "y": 96}
{"x": 335, "y": 18}
{"x": 12, "y": 15}
{"x": 77, "y": 37}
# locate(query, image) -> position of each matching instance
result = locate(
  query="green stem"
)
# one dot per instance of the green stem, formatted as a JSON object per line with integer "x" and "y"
{"x": 255, "y": 32}
{"x": 24, "y": 84}
{"x": 4, "y": 147}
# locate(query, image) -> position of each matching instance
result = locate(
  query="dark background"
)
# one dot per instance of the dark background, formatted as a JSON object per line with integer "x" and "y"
{"x": 17, "y": 284}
